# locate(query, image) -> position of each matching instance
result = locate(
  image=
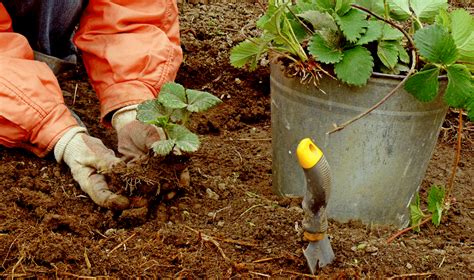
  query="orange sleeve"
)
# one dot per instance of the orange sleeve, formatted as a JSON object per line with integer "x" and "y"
{"x": 130, "y": 49}
{"x": 32, "y": 110}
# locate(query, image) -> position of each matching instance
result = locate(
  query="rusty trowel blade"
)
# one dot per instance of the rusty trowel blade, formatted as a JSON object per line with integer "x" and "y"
{"x": 319, "y": 253}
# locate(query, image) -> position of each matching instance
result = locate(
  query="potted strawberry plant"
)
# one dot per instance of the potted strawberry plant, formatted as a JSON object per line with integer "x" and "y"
{"x": 380, "y": 73}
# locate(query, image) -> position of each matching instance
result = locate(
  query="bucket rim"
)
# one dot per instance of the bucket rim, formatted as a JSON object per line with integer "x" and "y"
{"x": 374, "y": 74}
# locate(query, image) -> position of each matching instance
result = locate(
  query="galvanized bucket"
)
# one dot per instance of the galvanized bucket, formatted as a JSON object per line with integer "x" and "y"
{"x": 377, "y": 163}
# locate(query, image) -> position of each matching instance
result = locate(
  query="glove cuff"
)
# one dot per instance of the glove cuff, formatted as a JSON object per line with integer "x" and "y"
{"x": 61, "y": 145}
{"x": 124, "y": 116}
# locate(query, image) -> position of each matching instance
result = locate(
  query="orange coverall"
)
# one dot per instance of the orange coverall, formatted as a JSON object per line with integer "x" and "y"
{"x": 129, "y": 48}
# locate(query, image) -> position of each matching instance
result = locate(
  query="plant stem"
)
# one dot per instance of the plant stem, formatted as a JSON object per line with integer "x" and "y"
{"x": 456, "y": 159}
{"x": 393, "y": 237}
{"x": 301, "y": 22}
{"x": 376, "y": 105}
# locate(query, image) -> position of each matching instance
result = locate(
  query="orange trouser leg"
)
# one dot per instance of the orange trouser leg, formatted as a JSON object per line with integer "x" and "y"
{"x": 32, "y": 110}
{"x": 130, "y": 49}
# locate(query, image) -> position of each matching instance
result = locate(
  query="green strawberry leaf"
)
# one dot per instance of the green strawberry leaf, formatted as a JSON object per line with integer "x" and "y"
{"x": 172, "y": 95}
{"x": 424, "y": 84}
{"x": 470, "y": 108}
{"x": 356, "y": 66}
{"x": 270, "y": 19}
{"x": 460, "y": 86}
{"x": 373, "y": 33}
{"x": 427, "y": 10}
{"x": 389, "y": 33}
{"x": 322, "y": 51}
{"x": 301, "y": 34}
{"x": 184, "y": 139}
{"x": 462, "y": 26}
{"x": 249, "y": 52}
{"x": 435, "y": 196}
{"x": 436, "y": 45}
{"x": 343, "y": 6}
{"x": 388, "y": 53}
{"x": 199, "y": 101}
{"x": 324, "y": 5}
{"x": 375, "y": 6}
{"x": 416, "y": 214}
{"x": 435, "y": 203}
{"x": 149, "y": 111}
{"x": 402, "y": 53}
{"x": 319, "y": 20}
{"x": 163, "y": 147}
{"x": 399, "y": 9}
{"x": 443, "y": 19}
{"x": 352, "y": 24}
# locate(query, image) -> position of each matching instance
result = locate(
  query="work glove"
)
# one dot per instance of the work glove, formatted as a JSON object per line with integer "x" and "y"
{"x": 134, "y": 137}
{"x": 87, "y": 157}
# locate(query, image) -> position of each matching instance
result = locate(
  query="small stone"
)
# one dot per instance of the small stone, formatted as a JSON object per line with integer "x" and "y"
{"x": 409, "y": 266}
{"x": 371, "y": 249}
{"x": 211, "y": 214}
{"x": 186, "y": 214}
{"x": 170, "y": 195}
{"x": 295, "y": 209}
{"x": 439, "y": 251}
{"x": 221, "y": 186}
{"x": 220, "y": 223}
{"x": 211, "y": 194}
{"x": 362, "y": 246}
{"x": 238, "y": 81}
{"x": 110, "y": 231}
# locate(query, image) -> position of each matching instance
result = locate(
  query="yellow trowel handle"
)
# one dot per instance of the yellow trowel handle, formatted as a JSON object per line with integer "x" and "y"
{"x": 308, "y": 153}
{"x": 318, "y": 185}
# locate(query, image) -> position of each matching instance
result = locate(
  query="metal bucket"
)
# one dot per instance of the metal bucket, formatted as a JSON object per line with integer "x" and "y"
{"x": 377, "y": 163}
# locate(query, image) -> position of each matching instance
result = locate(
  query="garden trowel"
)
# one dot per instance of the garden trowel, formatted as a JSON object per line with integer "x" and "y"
{"x": 318, "y": 185}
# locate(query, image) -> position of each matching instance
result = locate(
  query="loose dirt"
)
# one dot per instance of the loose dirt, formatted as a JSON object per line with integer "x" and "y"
{"x": 225, "y": 221}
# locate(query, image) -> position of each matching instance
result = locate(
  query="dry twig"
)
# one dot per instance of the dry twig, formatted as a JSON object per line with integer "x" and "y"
{"x": 267, "y": 259}
{"x": 301, "y": 274}
{"x": 208, "y": 238}
{"x": 411, "y": 275}
{"x": 260, "y": 274}
{"x": 121, "y": 244}
{"x": 250, "y": 209}
{"x": 22, "y": 256}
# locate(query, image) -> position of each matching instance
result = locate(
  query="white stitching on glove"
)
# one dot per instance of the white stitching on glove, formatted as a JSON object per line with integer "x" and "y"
{"x": 135, "y": 138}
{"x": 87, "y": 156}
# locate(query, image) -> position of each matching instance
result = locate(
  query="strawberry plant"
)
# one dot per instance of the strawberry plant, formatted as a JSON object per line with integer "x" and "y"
{"x": 171, "y": 111}
{"x": 435, "y": 207}
{"x": 350, "y": 39}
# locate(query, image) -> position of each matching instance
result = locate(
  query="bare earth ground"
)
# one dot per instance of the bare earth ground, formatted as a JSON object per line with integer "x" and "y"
{"x": 228, "y": 223}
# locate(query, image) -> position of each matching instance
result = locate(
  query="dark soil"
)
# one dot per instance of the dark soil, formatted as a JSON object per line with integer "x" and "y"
{"x": 225, "y": 221}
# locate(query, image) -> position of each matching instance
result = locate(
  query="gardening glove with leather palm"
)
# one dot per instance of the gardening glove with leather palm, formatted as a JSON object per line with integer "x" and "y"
{"x": 134, "y": 137}
{"x": 87, "y": 157}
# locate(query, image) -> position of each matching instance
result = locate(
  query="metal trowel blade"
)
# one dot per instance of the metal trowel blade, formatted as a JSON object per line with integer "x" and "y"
{"x": 319, "y": 253}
